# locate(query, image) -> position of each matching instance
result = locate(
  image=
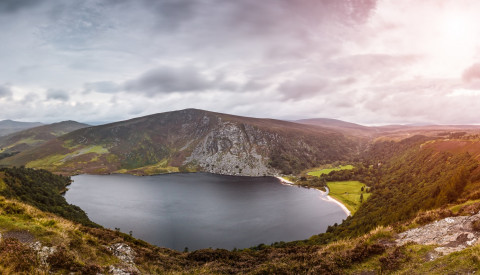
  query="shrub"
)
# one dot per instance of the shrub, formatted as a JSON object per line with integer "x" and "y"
{"x": 476, "y": 225}
{"x": 63, "y": 259}
{"x": 432, "y": 215}
{"x": 393, "y": 259}
{"x": 17, "y": 256}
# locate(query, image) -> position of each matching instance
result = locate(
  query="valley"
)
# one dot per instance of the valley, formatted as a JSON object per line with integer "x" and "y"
{"x": 411, "y": 176}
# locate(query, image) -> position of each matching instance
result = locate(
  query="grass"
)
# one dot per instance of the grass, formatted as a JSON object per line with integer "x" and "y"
{"x": 455, "y": 209}
{"x": 58, "y": 160}
{"x": 466, "y": 261}
{"x": 161, "y": 167}
{"x": 51, "y": 230}
{"x": 318, "y": 173}
{"x": 28, "y": 141}
{"x": 348, "y": 193}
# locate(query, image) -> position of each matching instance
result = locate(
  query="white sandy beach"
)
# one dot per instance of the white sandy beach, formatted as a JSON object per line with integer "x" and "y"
{"x": 324, "y": 196}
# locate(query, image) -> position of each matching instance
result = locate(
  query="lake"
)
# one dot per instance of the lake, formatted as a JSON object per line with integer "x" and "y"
{"x": 201, "y": 210}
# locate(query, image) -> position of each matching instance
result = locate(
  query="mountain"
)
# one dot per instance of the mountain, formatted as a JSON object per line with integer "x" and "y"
{"x": 332, "y": 123}
{"x": 23, "y": 140}
{"x": 10, "y": 126}
{"x": 191, "y": 140}
{"x": 339, "y": 125}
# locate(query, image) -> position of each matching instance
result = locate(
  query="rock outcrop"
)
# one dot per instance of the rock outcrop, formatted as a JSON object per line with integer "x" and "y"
{"x": 127, "y": 256}
{"x": 450, "y": 234}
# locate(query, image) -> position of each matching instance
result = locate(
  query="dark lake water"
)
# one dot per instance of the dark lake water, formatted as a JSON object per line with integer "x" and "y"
{"x": 200, "y": 210}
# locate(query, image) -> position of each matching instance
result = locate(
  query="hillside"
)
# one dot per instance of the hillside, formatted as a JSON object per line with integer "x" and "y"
{"x": 191, "y": 140}
{"x": 9, "y": 126}
{"x": 339, "y": 125}
{"x": 34, "y": 241}
{"x": 26, "y": 139}
{"x": 414, "y": 182}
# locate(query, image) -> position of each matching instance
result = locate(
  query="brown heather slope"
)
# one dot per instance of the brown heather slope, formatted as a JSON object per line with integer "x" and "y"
{"x": 191, "y": 140}
{"x": 27, "y": 139}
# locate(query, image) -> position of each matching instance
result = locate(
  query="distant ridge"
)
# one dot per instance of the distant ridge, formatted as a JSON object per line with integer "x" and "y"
{"x": 10, "y": 126}
{"x": 32, "y": 137}
{"x": 340, "y": 125}
{"x": 330, "y": 122}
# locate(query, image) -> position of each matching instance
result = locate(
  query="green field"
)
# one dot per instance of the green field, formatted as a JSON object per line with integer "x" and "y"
{"x": 348, "y": 193}
{"x": 320, "y": 172}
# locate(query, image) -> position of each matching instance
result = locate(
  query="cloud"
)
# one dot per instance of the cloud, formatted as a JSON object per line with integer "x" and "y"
{"x": 107, "y": 87}
{"x": 5, "y": 91}
{"x": 12, "y": 6}
{"x": 172, "y": 79}
{"x": 471, "y": 73}
{"x": 304, "y": 87}
{"x": 361, "y": 60}
{"x": 57, "y": 95}
{"x": 362, "y": 64}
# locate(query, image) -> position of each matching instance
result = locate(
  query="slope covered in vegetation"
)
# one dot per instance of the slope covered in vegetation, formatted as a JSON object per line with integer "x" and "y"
{"x": 191, "y": 140}
{"x": 17, "y": 142}
{"x": 412, "y": 183}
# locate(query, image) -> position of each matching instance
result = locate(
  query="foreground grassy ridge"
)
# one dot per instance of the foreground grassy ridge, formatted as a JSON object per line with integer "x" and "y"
{"x": 50, "y": 230}
{"x": 349, "y": 193}
{"x": 318, "y": 173}
{"x": 83, "y": 250}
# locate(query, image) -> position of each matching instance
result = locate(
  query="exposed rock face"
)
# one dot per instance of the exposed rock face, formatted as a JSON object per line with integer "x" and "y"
{"x": 127, "y": 256}
{"x": 450, "y": 234}
{"x": 43, "y": 252}
{"x": 231, "y": 149}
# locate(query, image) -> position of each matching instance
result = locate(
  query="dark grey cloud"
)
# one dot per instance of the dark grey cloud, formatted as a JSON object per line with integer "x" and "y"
{"x": 173, "y": 14}
{"x": 471, "y": 73}
{"x": 172, "y": 79}
{"x": 271, "y": 28}
{"x": 5, "y": 91}
{"x": 58, "y": 95}
{"x": 12, "y": 6}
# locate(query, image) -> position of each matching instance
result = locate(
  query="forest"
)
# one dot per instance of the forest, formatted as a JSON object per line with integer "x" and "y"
{"x": 41, "y": 189}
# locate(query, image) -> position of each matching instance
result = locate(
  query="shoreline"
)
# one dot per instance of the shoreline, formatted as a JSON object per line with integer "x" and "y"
{"x": 332, "y": 199}
{"x": 324, "y": 195}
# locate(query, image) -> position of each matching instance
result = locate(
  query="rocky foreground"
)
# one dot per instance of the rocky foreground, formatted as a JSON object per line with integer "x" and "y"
{"x": 451, "y": 234}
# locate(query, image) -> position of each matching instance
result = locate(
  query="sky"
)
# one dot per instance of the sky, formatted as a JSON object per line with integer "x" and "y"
{"x": 365, "y": 61}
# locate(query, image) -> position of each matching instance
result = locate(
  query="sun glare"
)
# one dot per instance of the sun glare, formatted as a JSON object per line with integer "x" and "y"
{"x": 457, "y": 27}
{"x": 454, "y": 41}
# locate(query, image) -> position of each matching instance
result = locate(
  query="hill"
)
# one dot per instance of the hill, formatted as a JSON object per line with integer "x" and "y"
{"x": 26, "y": 139}
{"x": 191, "y": 140}
{"x": 35, "y": 241}
{"x": 420, "y": 218}
{"x": 334, "y": 123}
{"x": 9, "y": 126}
